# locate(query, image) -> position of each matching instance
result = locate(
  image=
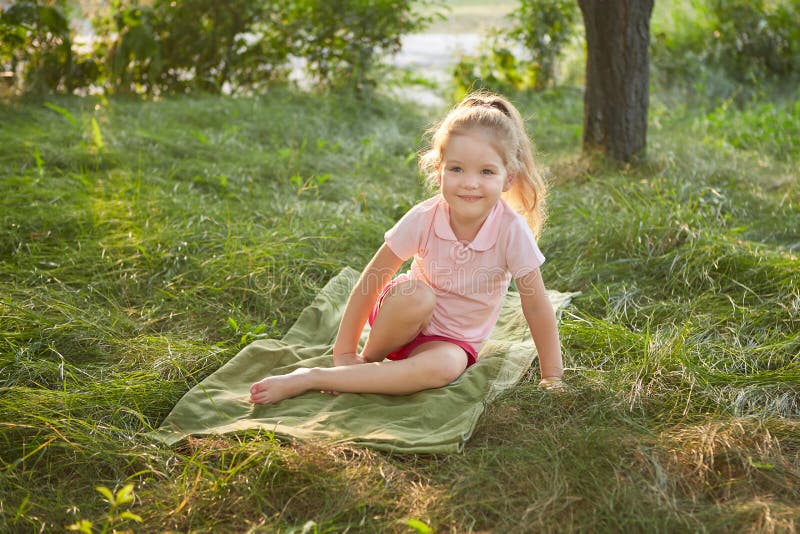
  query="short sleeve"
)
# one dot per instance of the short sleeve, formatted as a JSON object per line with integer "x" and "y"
{"x": 404, "y": 237}
{"x": 522, "y": 252}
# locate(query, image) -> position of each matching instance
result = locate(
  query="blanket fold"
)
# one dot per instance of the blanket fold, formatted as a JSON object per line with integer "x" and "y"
{"x": 432, "y": 421}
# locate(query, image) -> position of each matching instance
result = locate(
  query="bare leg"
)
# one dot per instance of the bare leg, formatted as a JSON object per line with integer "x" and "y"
{"x": 403, "y": 314}
{"x": 431, "y": 365}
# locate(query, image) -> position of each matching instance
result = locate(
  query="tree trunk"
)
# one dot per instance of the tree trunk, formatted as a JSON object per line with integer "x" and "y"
{"x": 617, "y": 78}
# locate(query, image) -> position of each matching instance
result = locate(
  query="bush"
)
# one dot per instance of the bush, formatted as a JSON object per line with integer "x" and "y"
{"x": 341, "y": 40}
{"x": 497, "y": 68}
{"x": 201, "y": 45}
{"x": 544, "y": 28}
{"x": 163, "y": 46}
{"x": 540, "y": 30}
{"x": 729, "y": 44}
{"x": 36, "y": 47}
{"x": 754, "y": 39}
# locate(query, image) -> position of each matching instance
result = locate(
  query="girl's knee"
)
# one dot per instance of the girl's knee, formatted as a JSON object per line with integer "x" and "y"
{"x": 450, "y": 364}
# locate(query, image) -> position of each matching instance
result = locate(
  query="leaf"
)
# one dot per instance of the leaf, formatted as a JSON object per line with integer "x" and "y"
{"x": 83, "y": 525}
{"x": 39, "y": 161}
{"x": 22, "y": 507}
{"x": 53, "y": 20}
{"x": 105, "y": 492}
{"x": 419, "y": 526}
{"x": 125, "y": 495}
{"x": 761, "y": 465}
{"x": 200, "y": 137}
{"x": 63, "y": 112}
{"x": 96, "y": 136}
{"x": 258, "y": 329}
{"x": 233, "y": 324}
{"x": 130, "y": 515}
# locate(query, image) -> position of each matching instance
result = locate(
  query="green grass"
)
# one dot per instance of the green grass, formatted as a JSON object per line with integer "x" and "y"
{"x": 136, "y": 262}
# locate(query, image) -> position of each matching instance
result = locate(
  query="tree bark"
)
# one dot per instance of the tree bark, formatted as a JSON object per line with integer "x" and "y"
{"x": 617, "y": 77}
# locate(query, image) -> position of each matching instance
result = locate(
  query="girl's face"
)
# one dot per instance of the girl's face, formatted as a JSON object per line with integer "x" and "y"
{"x": 472, "y": 176}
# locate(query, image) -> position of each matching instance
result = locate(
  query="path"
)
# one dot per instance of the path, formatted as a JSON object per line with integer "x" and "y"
{"x": 433, "y": 55}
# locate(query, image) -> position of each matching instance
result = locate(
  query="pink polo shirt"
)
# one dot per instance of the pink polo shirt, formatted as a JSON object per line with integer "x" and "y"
{"x": 470, "y": 279}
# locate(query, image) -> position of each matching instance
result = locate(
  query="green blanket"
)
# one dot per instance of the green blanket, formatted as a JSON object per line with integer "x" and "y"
{"x": 438, "y": 420}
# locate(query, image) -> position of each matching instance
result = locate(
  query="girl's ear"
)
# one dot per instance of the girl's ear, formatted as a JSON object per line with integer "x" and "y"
{"x": 508, "y": 183}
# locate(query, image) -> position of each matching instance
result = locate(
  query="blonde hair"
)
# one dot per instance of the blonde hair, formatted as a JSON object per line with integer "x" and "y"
{"x": 497, "y": 115}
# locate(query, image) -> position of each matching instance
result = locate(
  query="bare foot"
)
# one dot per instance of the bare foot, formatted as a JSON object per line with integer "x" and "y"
{"x": 273, "y": 389}
{"x": 348, "y": 358}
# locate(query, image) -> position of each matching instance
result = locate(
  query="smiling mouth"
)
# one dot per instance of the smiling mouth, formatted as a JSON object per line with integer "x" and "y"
{"x": 469, "y": 198}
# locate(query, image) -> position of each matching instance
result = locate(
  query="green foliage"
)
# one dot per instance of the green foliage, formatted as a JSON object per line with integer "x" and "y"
{"x": 419, "y": 526}
{"x": 194, "y": 45}
{"x": 767, "y": 128}
{"x": 544, "y": 28}
{"x": 161, "y": 47}
{"x": 341, "y": 41}
{"x": 115, "y": 516}
{"x": 36, "y": 46}
{"x": 717, "y": 47}
{"x": 756, "y": 39}
{"x": 496, "y": 68}
{"x": 540, "y": 30}
{"x": 250, "y": 333}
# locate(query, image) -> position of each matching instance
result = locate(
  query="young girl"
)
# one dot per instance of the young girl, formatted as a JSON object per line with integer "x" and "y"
{"x": 467, "y": 242}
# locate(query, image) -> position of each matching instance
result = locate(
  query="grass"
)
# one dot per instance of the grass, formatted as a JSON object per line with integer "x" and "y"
{"x": 143, "y": 244}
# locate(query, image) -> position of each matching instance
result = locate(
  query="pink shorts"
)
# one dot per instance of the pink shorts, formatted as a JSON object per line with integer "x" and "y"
{"x": 405, "y": 351}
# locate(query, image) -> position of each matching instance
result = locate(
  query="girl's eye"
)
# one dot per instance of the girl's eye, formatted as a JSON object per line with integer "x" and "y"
{"x": 487, "y": 171}
{"x": 455, "y": 169}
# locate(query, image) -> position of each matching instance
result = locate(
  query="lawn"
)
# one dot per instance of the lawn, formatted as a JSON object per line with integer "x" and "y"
{"x": 144, "y": 243}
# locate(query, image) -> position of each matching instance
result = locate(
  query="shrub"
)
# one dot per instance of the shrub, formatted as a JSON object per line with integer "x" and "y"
{"x": 36, "y": 47}
{"x": 341, "y": 40}
{"x": 754, "y": 39}
{"x": 540, "y": 31}
{"x": 163, "y": 46}
{"x": 728, "y": 44}
{"x": 544, "y": 28}
{"x": 496, "y": 68}
{"x": 194, "y": 45}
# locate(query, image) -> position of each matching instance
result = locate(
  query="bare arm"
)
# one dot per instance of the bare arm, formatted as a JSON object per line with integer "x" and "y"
{"x": 542, "y": 321}
{"x": 376, "y": 275}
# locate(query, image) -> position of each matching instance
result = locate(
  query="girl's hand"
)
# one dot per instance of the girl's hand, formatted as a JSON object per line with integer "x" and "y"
{"x": 347, "y": 358}
{"x": 552, "y": 383}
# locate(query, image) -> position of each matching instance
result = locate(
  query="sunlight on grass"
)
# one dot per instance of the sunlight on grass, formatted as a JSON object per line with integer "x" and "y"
{"x": 138, "y": 261}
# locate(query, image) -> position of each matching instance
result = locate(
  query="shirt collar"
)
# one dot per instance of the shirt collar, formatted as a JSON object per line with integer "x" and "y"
{"x": 487, "y": 235}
